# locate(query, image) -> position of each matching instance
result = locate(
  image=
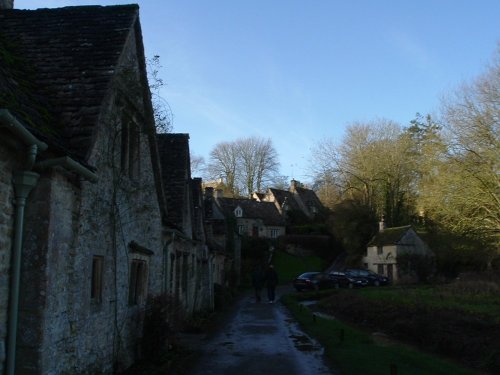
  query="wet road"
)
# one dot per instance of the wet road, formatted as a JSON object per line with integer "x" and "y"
{"x": 261, "y": 338}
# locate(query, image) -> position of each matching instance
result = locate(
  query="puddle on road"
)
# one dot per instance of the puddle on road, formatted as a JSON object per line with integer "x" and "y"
{"x": 303, "y": 343}
{"x": 227, "y": 343}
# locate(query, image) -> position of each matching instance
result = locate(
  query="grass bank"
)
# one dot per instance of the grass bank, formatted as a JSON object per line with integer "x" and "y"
{"x": 290, "y": 266}
{"x": 353, "y": 351}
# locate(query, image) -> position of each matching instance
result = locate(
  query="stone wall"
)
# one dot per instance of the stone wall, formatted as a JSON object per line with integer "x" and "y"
{"x": 8, "y": 164}
{"x": 70, "y": 221}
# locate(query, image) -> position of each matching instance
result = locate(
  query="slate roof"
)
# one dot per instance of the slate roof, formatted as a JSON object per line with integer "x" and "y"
{"x": 173, "y": 152}
{"x": 252, "y": 209}
{"x": 309, "y": 198}
{"x": 389, "y": 236}
{"x": 282, "y": 195}
{"x": 56, "y": 66}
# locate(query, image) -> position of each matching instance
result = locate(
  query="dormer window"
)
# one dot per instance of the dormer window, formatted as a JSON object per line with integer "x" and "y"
{"x": 238, "y": 212}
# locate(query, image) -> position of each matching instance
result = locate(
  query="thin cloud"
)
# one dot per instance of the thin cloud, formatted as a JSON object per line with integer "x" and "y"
{"x": 413, "y": 51}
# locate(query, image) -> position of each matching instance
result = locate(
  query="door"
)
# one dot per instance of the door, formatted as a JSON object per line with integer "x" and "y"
{"x": 390, "y": 271}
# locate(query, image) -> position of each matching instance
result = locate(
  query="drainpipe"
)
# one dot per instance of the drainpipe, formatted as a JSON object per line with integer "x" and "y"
{"x": 24, "y": 181}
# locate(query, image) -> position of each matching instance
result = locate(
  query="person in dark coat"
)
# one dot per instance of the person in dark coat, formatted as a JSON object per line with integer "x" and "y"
{"x": 271, "y": 282}
{"x": 258, "y": 279}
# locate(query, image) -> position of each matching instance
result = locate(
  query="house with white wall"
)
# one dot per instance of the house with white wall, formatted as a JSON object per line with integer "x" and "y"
{"x": 388, "y": 247}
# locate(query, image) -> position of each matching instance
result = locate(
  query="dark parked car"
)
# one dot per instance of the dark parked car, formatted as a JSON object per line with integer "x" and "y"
{"x": 371, "y": 277}
{"x": 313, "y": 281}
{"x": 341, "y": 280}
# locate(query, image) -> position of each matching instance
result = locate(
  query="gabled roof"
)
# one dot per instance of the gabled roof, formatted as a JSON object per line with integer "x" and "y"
{"x": 308, "y": 197}
{"x": 283, "y": 195}
{"x": 259, "y": 196}
{"x": 389, "y": 236}
{"x": 56, "y": 66}
{"x": 173, "y": 152}
{"x": 266, "y": 211}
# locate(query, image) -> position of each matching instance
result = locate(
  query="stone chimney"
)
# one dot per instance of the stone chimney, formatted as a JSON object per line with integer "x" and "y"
{"x": 293, "y": 185}
{"x": 6, "y": 4}
{"x": 381, "y": 225}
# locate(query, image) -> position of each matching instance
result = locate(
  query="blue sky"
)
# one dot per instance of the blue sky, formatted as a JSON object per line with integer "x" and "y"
{"x": 300, "y": 71}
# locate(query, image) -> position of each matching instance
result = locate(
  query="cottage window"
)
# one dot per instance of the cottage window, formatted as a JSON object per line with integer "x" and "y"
{"x": 241, "y": 229}
{"x": 96, "y": 279}
{"x": 380, "y": 250}
{"x": 380, "y": 269}
{"x": 238, "y": 212}
{"x": 274, "y": 233}
{"x": 137, "y": 283}
{"x": 130, "y": 139}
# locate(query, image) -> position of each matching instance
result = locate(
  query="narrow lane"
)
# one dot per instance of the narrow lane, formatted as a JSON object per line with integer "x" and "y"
{"x": 261, "y": 338}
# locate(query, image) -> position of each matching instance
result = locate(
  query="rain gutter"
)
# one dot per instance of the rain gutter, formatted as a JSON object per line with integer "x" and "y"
{"x": 70, "y": 164}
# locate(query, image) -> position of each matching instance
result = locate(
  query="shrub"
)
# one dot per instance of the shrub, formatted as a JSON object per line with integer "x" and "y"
{"x": 163, "y": 312}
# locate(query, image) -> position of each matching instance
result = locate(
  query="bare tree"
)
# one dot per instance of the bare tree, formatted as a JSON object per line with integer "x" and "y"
{"x": 223, "y": 164}
{"x": 371, "y": 166}
{"x": 246, "y": 165}
{"x": 197, "y": 164}
{"x": 267, "y": 163}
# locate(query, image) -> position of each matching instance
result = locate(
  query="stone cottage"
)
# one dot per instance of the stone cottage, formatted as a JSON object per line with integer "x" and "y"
{"x": 82, "y": 209}
{"x": 298, "y": 201}
{"x": 223, "y": 240}
{"x": 189, "y": 263}
{"x": 252, "y": 218}
{"x": 388, "y": 247}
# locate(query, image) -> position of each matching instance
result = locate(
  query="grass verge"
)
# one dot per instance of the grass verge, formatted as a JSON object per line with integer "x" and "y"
{"x": 354, "y": 352}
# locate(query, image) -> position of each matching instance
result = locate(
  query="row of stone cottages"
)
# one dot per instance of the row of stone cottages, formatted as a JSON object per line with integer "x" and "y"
{"x": 97, "y": 211}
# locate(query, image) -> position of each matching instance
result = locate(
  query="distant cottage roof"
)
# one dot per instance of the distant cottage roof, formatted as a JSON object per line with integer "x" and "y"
{"x": 283, "y": 195}
{"x": 175, "y": 170}
{"x": 56, "y": 66}
{"x": 389, "y": 236}
{"x": 252, "y": 209}
{"x": 308, "y": 197}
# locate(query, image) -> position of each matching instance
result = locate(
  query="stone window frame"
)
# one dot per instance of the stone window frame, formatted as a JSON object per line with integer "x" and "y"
{"x": 380, "y": 269}
{"x": 238, "y": 212}
{"x": 138, "y": 273}
{"x": 96, "y": 279}
{"x": 380, "y": 250}
{"x": 274, "y": 232}
{"x": 130, "y": 147}
{"x": 137, "y": 282}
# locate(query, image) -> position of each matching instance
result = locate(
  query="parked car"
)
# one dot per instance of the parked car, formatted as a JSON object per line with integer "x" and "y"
{"x": 371, "y": 277}
{"x": 341, "y": 280}
{"x": 313, "y": 281}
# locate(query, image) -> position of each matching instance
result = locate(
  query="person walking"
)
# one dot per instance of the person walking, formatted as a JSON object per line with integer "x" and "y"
{"x": 258, "y": 281}
{"x": 271, "y": 282}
